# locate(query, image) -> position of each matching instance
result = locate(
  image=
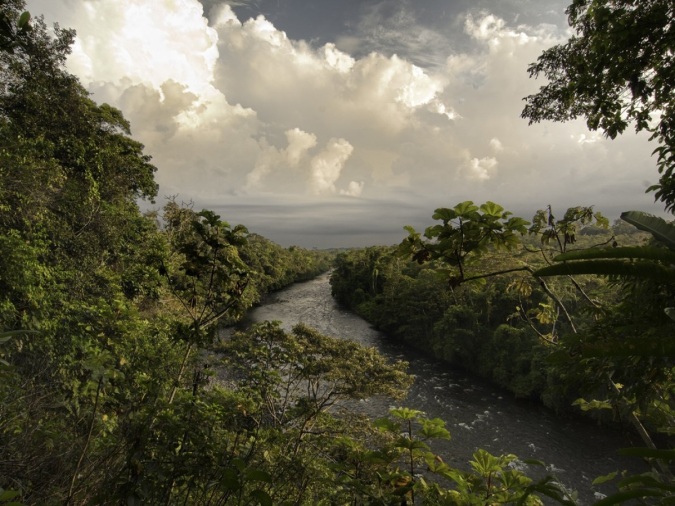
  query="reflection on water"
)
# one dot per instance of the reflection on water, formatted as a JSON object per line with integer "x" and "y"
{"x": 477, "y": 414}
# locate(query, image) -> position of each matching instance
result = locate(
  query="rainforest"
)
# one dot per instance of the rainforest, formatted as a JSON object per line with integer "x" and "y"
{"x": 127, "y": 377}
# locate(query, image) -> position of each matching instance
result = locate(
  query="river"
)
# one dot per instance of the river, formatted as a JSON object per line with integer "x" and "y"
{"x": 477, "y": 414}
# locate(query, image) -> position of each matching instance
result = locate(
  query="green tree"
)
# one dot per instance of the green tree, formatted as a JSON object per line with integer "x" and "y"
{"x": 13, "y": 24}
{"x": 269, "y": 431}
{"x": 632, "y": 342}
{"x": 616, "y": 70}
{"x": 465, "y": 233}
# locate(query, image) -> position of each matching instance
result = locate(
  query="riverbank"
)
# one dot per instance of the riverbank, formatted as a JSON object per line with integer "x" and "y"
{"x": 477, "y": 414}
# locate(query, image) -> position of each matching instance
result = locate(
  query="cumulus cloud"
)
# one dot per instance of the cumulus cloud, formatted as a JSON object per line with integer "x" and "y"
{"x": 327, "y": 166}
{"x": 486, "y": 27}
{"x": 144, "y": 42}
{"x": 482, "y": 169}
{"x": 283, "y": 160}
{"x": 323, "y": 91}
{"x": 354, "y": 189}
{"x": 236, "y": 109}
{"x": 496, "y": 144}
{"x": 276, "y": 167}
{"x": 587, "y": 138}
{"x": 299, "y": 143}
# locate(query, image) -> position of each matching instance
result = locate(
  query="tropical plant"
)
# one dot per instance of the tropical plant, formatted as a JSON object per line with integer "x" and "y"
{"x": 467, "y": 231}
{"x": 409, "y": 471}
{"x": 632, "y": 345}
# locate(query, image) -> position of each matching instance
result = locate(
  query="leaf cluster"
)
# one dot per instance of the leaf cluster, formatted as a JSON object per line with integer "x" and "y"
{"x": 466, "y": 231}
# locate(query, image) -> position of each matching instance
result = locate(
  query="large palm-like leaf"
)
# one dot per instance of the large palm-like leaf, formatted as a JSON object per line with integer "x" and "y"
{"x": 663, "y": 255}
{"x": 663, "y": 231}
{"x": 649, "y": 262}
{"x": 647, "y": 270}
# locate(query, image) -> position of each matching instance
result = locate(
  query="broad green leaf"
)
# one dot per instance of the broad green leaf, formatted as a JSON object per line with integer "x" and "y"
{"x": 230, "y": 479}
{"x": 550, "y": 488}
{"x": 465, "y": 208}
{"x": 594, "y": 404}
{"x": 376, "y": 457}
{"x": 534, "y": 462}
{"x": 386, "y": 424}
{"x": 410, "y": 230}
{"x": 411, "y": 444}
{"x": 492, "y": 209}
{"x": 604, "y": 479}
{"x": 633, "y": 252}
{"x": 513, "y": 479}
{"x": 239, "y": 464}
{"x": 645, "y": 480}
{"x": 262, "y": 497}
{"x": 484, "y": 463}
{"x": 434, "y": 428}
{"x": 517, "y": 225}
{"x": 23, "y": 20}
{"x": 434, "y": 231}
{"x": 6, "y": 495}
{"x": 444, "y": 214}
{"x": 658, "y": 227}
{"x": 258, "y": 475}
{"x": 6, "y": 336}
{"x": 601, "y": 221}
{"x": 405, "y": 413}
{"x": 610, "y": 268}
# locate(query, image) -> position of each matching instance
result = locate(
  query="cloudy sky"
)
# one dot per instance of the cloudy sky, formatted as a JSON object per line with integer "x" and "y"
{"x": 330, "y": 123}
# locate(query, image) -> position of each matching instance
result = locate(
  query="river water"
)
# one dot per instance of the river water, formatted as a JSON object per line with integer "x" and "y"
{"x": 477, "y": 414}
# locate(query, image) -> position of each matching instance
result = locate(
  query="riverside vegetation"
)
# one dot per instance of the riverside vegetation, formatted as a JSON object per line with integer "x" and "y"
{"x": 114, "y": 384}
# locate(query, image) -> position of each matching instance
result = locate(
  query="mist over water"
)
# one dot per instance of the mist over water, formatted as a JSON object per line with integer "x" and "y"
{"x": 477, "y": 414}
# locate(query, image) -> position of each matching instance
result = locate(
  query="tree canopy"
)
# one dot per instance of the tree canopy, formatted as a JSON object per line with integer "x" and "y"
{"x": 617, "y": 70}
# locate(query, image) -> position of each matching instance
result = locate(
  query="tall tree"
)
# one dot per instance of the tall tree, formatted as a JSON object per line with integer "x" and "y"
{"x": 617, "y": 70}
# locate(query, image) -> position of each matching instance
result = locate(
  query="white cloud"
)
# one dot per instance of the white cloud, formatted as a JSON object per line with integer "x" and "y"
{"x": 590, "y": 138}
{"x": 299, "y": 143}
{"x": 144, "y": 42}
{"x": 482, "y": 169}
{"x": 264, "y": 165}
{"x": 327, "y": 166}
{"x": 283, "y": 161}
{"x": 354, "y": 189}
{"x": 487, "y": 27}
{"x": 238, "y": 110}
{"x": 496, "y": 144}
{"x": 323, "y": 91}
{"x": 335, "y": 58}
{"x": 442, "y": 109}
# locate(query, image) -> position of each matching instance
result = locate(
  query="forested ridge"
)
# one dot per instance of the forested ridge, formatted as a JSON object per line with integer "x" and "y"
{"x": 117, "y": 385}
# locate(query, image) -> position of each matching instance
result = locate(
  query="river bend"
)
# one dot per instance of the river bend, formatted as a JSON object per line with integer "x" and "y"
{"x": 477, "y": 414}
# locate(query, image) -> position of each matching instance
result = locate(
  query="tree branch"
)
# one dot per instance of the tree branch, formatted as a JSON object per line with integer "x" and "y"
{"x": 71, "y": 491}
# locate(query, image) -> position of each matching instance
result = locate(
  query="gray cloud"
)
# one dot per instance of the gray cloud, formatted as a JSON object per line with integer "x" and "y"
{"x": 330, "y": 223}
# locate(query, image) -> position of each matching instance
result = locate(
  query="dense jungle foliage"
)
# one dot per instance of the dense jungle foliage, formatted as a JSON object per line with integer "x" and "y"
{"x": 118, "y": 387}
{"x": 557, "y": 310}
{"x": 500, "y": 327}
